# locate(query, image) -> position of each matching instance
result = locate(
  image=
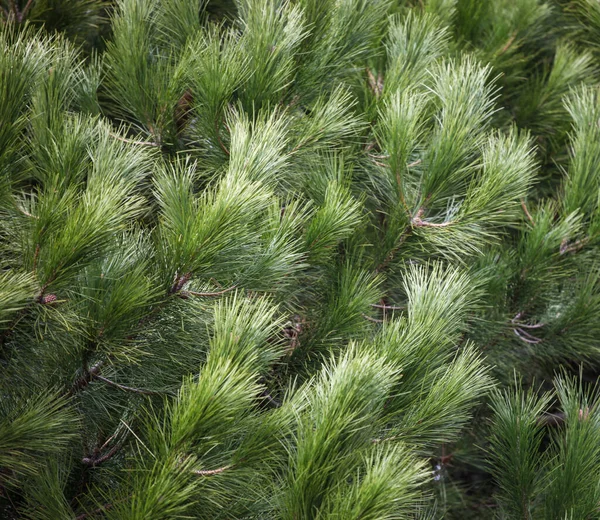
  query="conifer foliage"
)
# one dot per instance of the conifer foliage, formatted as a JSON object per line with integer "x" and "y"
{"x": 299, "y": 259}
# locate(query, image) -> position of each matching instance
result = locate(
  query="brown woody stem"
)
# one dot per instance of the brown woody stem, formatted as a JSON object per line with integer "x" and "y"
{"x": 129, "y": 388}
{"x": 210, "y": 472}
{"x": 209, "y": 294}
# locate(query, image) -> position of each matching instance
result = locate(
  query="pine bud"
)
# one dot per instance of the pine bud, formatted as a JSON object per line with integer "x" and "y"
{"x": 48, "y": 299}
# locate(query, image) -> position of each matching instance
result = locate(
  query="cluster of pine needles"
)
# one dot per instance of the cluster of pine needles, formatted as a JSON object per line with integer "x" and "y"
{"x": 299, "y": 259}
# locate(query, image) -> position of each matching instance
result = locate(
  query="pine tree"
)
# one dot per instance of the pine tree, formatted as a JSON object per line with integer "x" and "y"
{"x": 299, "y": 259}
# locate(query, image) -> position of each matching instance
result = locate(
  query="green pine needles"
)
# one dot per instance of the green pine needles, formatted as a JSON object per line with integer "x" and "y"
{"x": 299, "y": 259}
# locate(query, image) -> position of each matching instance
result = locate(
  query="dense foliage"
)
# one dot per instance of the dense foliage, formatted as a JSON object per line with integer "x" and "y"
{"x": 299, "y": 259}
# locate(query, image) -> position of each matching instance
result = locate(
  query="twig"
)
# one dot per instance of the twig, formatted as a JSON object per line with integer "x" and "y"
{"x": 96, "y": 461}
{"x": 132, "y": 141}
{"x": 374, "y": 320}
{"x": 130, "y": 388}
{"x": 36, "y": 255}
{"x": 27, "y": 214}
{"x": 216, "y": 282}
{"x": 525, "y": 325}
{"x": 401, "y": 193}
{"x": 528, "y": 335}
{"x": 529, "y": 217}
{"x": 418, "y": 222}
{"x": 183, "y": 109}
{"x": 551, "y": 419}
{"x": 575, "y": 246}
{"x": 209, "y": 294}
{"x": 223, "y": 147}
{"x": 86, "y": 378}
{"x": 534, "y": 341}
{"x": 370, "y": 146}
{"x": 292, "y": 331}
{"x": 507, "y": 44}
{"x": 25, "y": 10}
{"x": 389, "y": 307}
{"x": 389, "y": 257}
{"x": 294, "y": 101}
{"x": 137, "y": 438}
{"x": 273, "y": 402}
{"x": 210, "y": 472}
{"x": 179, "y": 282}
{"x": 386, "y": 439}
{"x": 108, "y": 440}
{"x": 15, "y": 11}
{"x": 416, "y": 163}
{"x": 379, "y": 156}
{"x": 391, "y": 254}
{"x": 375, "y": 84}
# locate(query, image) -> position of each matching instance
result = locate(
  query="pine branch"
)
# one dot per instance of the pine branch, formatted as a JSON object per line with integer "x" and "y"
{"x": 527, "y": 338}
{"x": 390, "y": 256}
{"x": 317, "y": 155}
{"x": 579, "y": 244}
{"x": 97, "y": 460}
{"x": 508, "y": 44}
{"x": 526, "y": 211}
{"x": 211, "y": 472}
{"x": 207, "y": 294}
{"x": 15, "y": 10}
{"x": 525, "y": 325}
{"x": 274, "y": 403}
{"x": 179, "y": 282}
{"x": 25, "y": 10}
{"x": 373, "y": 320}
{"x": 386, "y": 307}
{"x": 26, "y": 213}
{"x": 130, "y": 388}
{"x": 221, "y": 144}
{"x": 376, "y": 85}
{"x": 552, "y": 419}
{"x": 417, "y": 221}
{"x": 86, "y": 378}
